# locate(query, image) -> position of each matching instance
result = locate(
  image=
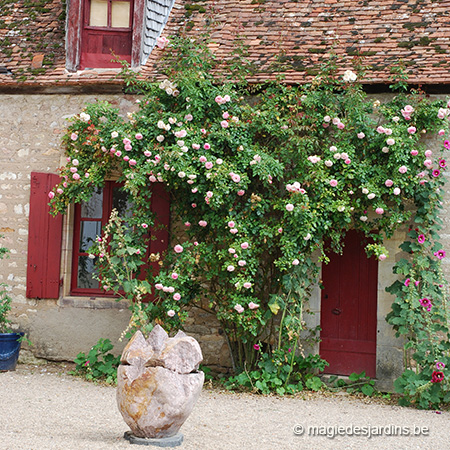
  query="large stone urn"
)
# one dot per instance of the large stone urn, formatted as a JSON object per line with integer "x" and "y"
{"x": 158, "y": 383}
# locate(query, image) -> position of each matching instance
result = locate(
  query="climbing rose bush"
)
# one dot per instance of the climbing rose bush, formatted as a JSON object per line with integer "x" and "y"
{"x": 262, "y": 187}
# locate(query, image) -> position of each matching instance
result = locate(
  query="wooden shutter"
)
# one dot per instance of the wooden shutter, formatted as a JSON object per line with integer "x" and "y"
{"x": 160, "y": 234}
{"x": 44, "y": 240}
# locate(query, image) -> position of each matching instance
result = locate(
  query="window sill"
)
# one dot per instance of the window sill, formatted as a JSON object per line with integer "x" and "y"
{"x": 92, "y": 303}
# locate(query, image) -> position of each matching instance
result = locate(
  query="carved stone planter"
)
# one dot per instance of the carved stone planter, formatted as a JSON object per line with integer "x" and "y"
{"x": 158, "y": 383}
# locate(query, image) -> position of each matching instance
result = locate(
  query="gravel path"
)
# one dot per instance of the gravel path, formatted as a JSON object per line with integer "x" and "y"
{"x": 41, "y": 410}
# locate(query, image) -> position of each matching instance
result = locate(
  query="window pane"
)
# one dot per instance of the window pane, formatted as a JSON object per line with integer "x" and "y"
{"x": 86, "y": 267}
{"x": 121, "y": 202}
{"x": 93, "y": 209}
{"x": 120, "y": 14}
{"x": 99, "y": 13}
{"x": 89, "y": 230}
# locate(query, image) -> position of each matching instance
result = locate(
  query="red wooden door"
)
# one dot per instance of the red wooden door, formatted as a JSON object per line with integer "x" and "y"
{"x": 348, "y": 316}
{"x": 108, "y": 30}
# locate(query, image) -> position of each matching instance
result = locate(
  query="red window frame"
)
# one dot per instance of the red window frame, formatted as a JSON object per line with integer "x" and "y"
{"x": 160, "y": 206}
{"x": 76, "y": 253}
{"x": 76, "y": 15}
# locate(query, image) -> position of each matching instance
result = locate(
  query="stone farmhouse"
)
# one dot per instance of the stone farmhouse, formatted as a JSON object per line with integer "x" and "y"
{"x": 55, "y": 56}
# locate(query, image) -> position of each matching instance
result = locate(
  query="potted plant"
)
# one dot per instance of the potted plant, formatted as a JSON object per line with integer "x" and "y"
{"x": 9, "y": 341}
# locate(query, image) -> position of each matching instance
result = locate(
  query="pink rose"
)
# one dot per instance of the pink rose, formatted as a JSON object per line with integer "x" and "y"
{"x": 388, "y": 183}
{"x": 244, "y": 245}
{"x": 138, "y": 136}
{"x": 174, "y": 276}
{"x": 379, "y": 210}
{"x": 290, "y": 207}
{"x": 402, "y": 169}
{"x": 176, "y": 296}
{"x": 252, "y": 305}
{"x": 51, "y": 194}
{"x": 247, "y": 285}
{"x": 333, "y": 183}
{"x": 178, "y": 248}
{"x": 240, "y": 193}
{"x": 171, "y": 313}
{"x": 203, "y": 223}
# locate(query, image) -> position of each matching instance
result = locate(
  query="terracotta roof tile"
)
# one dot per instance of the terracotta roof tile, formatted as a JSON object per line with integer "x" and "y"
{"x": 383, "y": 31}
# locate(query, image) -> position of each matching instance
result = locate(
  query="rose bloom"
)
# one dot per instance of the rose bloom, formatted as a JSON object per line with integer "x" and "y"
{"x": 295, "y": 262}
{"x": 414, "y": 152}
{"x": 239, "y": 308}
{"x": 240, "y": 193}
{"x": 176, "y": 296}
{"x": 241, "y": 263}
{"x": 247, "y": 285}
{"x": 209, "y": 165}
{"x": 397, "y": 191}
{"x": 390, "y": 141}
{"x": 244, "y": 245}
{"x": 361, "y": 135}
{"x": 171, "y": 313}
{"x": 231, "y": 224}
{"x": 178, "y": 248}
{"x": 402, "y": 169}
{"x": 290, "y": 207}
{"x": 230, "y": 268}
{"x": 379, "y": 210}
{"x": 333, "y": 183}
{"x": 388, "y": 183}
{"x": 224, "y": 124}
{"x": 252, "y": 305}
{"x": 203, "y": 223}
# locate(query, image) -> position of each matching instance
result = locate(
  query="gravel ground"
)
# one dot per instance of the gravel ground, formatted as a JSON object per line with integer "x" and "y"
{"x": 44, "y": 408}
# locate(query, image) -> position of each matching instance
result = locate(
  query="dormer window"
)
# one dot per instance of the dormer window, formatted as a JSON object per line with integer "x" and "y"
{"x": 127, "y": 28}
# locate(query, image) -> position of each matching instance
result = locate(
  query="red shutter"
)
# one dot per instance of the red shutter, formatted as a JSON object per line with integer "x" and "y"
{"x": 161, "y": 207}
{"x": 44, "y": 240}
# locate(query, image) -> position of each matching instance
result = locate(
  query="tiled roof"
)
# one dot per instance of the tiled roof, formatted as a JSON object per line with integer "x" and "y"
{"x": 299, "y": 34}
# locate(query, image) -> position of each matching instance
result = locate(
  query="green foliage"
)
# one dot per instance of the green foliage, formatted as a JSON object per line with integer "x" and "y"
{"x": 357, "y": 382}
{"x": 262, "y": 187}
{"x": 281, "y": 372}
{"x": 99, "y": 364}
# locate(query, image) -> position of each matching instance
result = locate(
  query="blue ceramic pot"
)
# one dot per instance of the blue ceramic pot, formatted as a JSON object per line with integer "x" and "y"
{"x": 9, "y": 350}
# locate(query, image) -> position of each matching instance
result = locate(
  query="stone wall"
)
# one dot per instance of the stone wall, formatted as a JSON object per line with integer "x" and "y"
{"x": 30, "y": 133}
